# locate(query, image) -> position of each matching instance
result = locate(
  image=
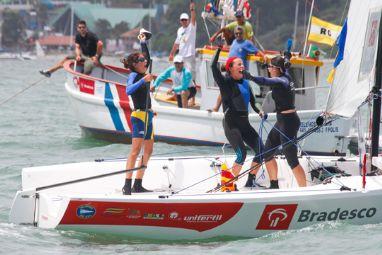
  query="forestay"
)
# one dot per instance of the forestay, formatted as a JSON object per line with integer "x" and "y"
{"x": 355, "y": 74}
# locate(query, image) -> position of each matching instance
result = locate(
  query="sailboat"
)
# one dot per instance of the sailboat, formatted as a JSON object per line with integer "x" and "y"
{"x": 187, "y": 203}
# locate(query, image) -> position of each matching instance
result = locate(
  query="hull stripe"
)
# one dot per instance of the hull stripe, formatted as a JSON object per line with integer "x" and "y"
{"x": 112, "y": 109}
{"x": 124, "y": 102}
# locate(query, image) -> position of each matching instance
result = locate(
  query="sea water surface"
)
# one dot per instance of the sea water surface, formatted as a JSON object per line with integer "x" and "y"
{"x": 38, "y": 127}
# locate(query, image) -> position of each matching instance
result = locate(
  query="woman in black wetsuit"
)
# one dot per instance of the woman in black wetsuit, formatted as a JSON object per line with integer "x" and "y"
{"x": 138, "y": 85}
{"x": 287, "y": 124}
{"x": 236, "y": 96}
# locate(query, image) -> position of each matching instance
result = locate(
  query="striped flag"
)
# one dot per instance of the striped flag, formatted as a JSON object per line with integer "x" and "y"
{"x": 340, "y": 53}
{"x": 323, "y": 32}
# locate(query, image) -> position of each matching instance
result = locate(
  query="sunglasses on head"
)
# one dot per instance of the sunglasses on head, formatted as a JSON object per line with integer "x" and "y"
{"x": 141, "y": 59}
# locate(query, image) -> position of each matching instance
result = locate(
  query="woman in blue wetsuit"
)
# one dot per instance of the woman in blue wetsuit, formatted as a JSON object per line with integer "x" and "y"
{"x": 287, "y": 124}
{"x": 236, "y": 96}
{"x": 138, "y": 85}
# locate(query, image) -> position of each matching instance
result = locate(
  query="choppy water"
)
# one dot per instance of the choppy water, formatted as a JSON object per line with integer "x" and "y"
{"x": 38, "y": 128}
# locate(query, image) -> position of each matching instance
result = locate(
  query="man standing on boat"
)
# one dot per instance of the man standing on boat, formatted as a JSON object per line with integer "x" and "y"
{"x": 181, "y": 78}
{"x": 88, "y": 48}
{"x": 228, "y": 31}
{"x": 185, "y": 40}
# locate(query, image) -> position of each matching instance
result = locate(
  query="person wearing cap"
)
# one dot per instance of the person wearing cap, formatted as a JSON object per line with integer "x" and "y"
{"x": 236, "y": 96}
{"x": 137, "y": 87}
{"x": 186, "y": 39}
{"x": 181, "y": 79}
{"x": 228, "y": 30}
{"x": 287, "y": 125}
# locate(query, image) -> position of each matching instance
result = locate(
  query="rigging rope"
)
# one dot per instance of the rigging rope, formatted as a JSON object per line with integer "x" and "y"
{"x": 21, "y": 91}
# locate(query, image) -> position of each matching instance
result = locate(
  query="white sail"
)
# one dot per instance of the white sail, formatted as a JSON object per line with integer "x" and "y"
{"x": 355, "y": 74}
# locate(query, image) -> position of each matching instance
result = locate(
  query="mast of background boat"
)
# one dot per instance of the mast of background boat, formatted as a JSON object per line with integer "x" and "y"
{"x": 308, "y": 28}
{"x": 71, "y": 23}
{"x": 377, "y": 99}
{"x": 295, "y": 25}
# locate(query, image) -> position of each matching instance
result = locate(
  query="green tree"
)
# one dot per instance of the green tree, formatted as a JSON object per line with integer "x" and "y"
{"x": 103, "y": 29}
{"x": 13, "y": 29}
{"x": 119, "y": 29}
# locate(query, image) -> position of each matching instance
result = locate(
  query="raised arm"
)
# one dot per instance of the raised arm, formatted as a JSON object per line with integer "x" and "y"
{"x": 145, "y": 52}
{"x": 264, "y": 81}
{"x": 218, "y": 77}
{"x": 193, "y": 13}
{"x": 132, "y": 86}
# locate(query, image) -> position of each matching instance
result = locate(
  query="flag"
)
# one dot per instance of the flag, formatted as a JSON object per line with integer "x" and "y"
{"x": 323, "y": 32}
{"x": 341, "y": 40}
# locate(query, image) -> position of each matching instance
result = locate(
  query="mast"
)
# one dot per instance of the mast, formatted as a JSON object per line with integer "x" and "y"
{"x": 295, "y": 25}
{"x": 377, "y": 99}
{"x": 308, "y": 29}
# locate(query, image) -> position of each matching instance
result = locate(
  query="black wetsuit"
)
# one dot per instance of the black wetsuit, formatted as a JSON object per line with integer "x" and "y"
{"x": 236, "y": 95}
{"x": 287, "y": 125}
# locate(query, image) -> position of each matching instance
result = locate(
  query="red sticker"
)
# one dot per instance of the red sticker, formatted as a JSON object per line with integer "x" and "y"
{"x": 276, "y": 217}
{"x": 86, "y": 86}
{"x": 195, "y": 216}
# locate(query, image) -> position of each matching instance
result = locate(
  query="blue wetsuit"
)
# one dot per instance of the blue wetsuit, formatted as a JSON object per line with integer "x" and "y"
{"x": 138, "y": 89}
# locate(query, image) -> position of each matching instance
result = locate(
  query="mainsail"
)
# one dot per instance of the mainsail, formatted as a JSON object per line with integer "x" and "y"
{"x": 355, "y": 74}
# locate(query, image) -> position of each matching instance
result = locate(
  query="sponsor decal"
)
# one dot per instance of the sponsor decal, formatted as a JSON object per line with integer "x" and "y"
{"x": 86, "y": 86}
{"x": 133, "y": 213}
{"x": 204, "y": 218}
{"x": 276, "y": 217}
{"x": 114, "y": 211}
{"x": 193, "y": 216}
{"x": 174, "y": 216}
{"x": 339, "y": 214}
{"x": 153, "y": 216}
{"x": 85, "y": 211}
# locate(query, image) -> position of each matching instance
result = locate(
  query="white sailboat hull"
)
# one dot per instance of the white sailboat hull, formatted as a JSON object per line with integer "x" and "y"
{"x": 97, "y": 206}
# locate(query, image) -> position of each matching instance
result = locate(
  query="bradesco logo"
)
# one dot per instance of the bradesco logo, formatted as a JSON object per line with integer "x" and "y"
{"x": 276, "y": 217}
{"x": 309, "y": 216}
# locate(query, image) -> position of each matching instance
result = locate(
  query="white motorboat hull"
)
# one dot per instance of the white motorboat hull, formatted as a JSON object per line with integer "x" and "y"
{"x": 103, "y": 109}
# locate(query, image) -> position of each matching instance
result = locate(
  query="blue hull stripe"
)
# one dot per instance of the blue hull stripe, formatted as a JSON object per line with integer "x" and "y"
{"x": 112, "y": 109}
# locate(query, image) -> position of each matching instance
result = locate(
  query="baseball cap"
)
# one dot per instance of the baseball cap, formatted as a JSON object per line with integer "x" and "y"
{"x": 239, "y": 13}
{"x": 184, "y": 16}
{"x": 178, "y": 59}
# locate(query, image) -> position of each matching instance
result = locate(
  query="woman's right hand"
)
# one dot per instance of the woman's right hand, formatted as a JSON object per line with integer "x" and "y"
{"x": 148, "y": 77}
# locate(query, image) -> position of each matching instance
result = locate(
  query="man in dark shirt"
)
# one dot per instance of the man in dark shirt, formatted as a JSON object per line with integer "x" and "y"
{"x": 88, "y": 48}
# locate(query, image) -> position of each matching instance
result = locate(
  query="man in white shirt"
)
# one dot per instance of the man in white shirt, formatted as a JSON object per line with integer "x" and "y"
{"x": 185, "y": 40}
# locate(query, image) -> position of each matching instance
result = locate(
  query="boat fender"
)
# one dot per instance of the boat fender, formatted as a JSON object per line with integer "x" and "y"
{"x": 320, "y": 121}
